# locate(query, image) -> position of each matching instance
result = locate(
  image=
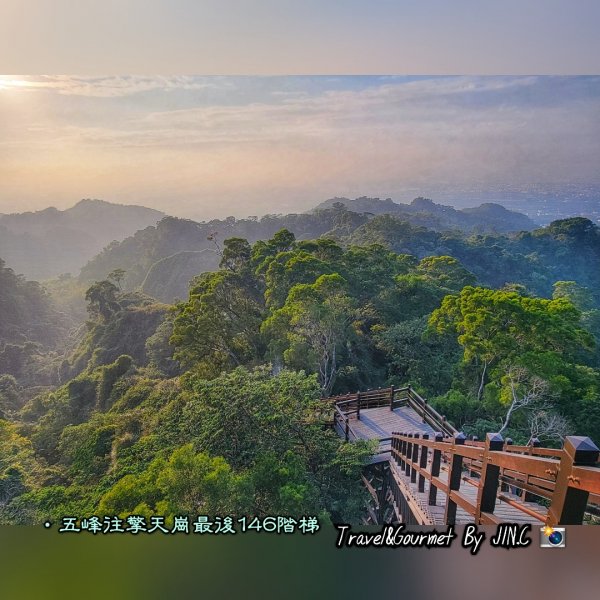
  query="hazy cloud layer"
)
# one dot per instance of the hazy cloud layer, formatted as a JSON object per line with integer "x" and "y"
{"x": 211, "y": 146}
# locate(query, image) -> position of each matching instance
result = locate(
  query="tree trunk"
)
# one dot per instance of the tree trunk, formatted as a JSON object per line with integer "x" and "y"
{"x": 481, "y": 384}
{"x": 508, "y": 416}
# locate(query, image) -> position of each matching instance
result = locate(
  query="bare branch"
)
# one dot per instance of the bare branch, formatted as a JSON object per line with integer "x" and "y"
{"x": 525, "y": 389}
{"x": 548, "y": 425}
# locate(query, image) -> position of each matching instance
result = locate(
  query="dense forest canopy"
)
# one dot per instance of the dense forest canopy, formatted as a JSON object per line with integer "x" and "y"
{"x": 117, "y": 399}
{"x": 31, "y": 328}
{"x": 162, "y": 259}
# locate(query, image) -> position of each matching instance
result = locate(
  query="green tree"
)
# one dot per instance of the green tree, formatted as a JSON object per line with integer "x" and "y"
{"x": 271, "y": 428}
{"x": 236, "y": 255}
{"x": 9, "y": 395}
{"x": 445, "y": 271}
{"x": 218, "y": 328}
{"x": 526, "y": 353}
{"x": 495, "y": 326}
{"x": 583, "y": 299}
{"x": 117, "y": 275}
{"x": 102, "y": 300}
{"x": 314, "y": 326}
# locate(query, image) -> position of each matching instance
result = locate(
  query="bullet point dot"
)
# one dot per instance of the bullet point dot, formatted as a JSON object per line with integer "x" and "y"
{"x": 47, "y": 524}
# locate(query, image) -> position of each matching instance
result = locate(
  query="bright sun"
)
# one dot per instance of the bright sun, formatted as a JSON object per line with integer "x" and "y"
{"x": 8, "y": 83}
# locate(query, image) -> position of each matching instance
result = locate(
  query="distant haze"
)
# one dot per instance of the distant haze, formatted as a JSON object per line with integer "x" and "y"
{"x": 205, "y": 147}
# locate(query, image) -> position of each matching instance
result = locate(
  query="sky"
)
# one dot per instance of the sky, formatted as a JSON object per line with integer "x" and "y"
{"x": 206, "y": 147}
{"x": 300, "y": 36}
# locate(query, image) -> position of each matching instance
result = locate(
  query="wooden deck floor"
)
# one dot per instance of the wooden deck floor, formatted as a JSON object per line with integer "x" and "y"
{"x": 376, "y": 423}
{"x": 435, "y": 514}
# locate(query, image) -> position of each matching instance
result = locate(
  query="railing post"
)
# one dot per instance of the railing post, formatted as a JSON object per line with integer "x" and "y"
{"x": 403, "y": 454}
{"x": 392, "y": 398}
{"x": 533, "y": 443}
{"x": 358, "y": 406}
{"x": 415, "y": 459}
{"x": 504, "y": 486}
{"x": 454, "y": 477}
{"x": 423, "y": 464}
{"x": 490, "y": 474}
{"x": 408, "y": 454}
{"x": 382, "y": 493}
{"x": 424, "y": 410}
{"x": 568, "y": 503}
{"x": 347, "y": 428}
{"x": 436, "y": 462}
{"x": 472, "y": 471}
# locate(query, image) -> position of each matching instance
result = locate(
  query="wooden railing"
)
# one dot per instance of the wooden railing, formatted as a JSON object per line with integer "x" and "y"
{"x": 553, "y": 486}
{"x": 429, "y": 415}
{"x": 567, "y": 479}
{"x": 348, "y": 405}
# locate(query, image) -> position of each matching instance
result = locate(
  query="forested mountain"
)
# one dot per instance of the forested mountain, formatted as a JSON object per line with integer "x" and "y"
{"x": 486, "y": 218}
{"x": 49, "y": 242}
{"x": 169, "y": 277}
{"x": 175, "y": 239}
{"x": 161, "y": 260}
{"x": 211, "y": 404}
{"x": 567, "y": 249}
{"x": 30, "y": 329}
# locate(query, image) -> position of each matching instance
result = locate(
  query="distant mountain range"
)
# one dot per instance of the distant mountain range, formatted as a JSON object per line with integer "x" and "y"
{"x": 50, "y": 242}
{"x": 161, "y": 260}
{"x": 488, "y": 217}
{"x": 160, "y": 254}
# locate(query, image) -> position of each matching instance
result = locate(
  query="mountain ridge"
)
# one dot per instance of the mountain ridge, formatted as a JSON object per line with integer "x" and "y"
{"x": 161, "y": 260}
{"x": 47, "y": 243}
{"x": 488, "y": 216}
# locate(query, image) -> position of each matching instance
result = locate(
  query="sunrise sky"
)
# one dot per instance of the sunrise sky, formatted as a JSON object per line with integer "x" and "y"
{"x": 214, "y": 146}
{"x": 211, "y": 146}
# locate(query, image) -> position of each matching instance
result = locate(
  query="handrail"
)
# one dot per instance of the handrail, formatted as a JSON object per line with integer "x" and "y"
{"x": 353, "y": 403}
{"x": 569, "y": 477}
{"x": 429, "y": 414}
{"x": 569, "y": 483}
{"x": 344, "y": 420}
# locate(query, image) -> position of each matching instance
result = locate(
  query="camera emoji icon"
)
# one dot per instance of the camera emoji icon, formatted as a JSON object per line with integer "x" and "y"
{"x": 553, "y": 537}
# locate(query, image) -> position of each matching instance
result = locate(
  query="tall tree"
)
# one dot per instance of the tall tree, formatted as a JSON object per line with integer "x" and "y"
{"x": 218, "y": 328}
{"x": 496, "y": 326}
{"x": 314, "y": 326}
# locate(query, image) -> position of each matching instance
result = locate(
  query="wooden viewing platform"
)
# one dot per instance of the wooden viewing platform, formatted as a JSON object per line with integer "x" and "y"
{"x": 426, "y": 472}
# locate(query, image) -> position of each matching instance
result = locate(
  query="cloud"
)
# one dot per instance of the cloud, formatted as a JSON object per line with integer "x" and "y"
{"x": 230, "y": 139}
{"x": 114, "y": 86}
{"x": 436, "y": 109}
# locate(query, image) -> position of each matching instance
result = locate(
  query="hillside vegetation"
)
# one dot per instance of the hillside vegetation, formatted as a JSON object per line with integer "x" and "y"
{"x": 486, "y": 218}
{"x": 211, "y": 404}
{"x": 31, "y": 330}
{"x": 162, "y": 260}
{"x": 171, "y": 250}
